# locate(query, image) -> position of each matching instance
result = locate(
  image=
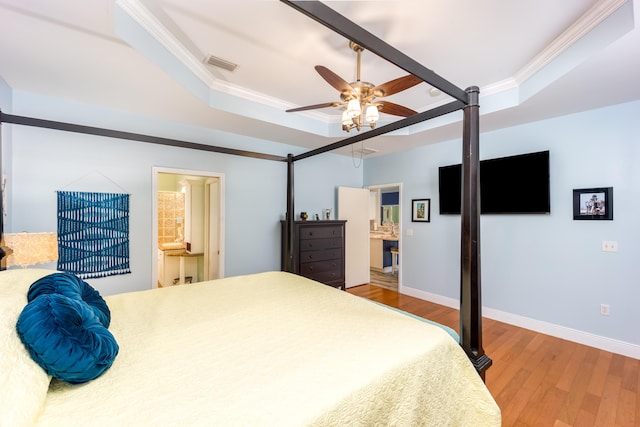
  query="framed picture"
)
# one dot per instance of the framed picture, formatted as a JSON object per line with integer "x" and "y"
{"x": 593, "y": 203}
{"x": 421, "y": 210}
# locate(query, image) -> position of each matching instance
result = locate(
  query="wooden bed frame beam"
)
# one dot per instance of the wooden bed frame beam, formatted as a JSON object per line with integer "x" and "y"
{"x": 288, "y": 236}
{"x": 341, "y": 25}
{"x": 412, "y": 120}
{"x": 470, "y": 283}
{"x": 110, "y": 133}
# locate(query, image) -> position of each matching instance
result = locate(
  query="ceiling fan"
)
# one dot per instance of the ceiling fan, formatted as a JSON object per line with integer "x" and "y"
{"x": 359, "y": 99}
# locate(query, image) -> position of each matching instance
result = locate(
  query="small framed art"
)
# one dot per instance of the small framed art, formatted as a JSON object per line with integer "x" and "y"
{"x": 593, "y": 203}
{"x": 421, "y": 210}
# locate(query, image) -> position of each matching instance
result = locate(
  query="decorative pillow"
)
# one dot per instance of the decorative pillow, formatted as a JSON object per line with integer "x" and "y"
{"x": 73, "y": 287}
{"x": 66, "y": 338}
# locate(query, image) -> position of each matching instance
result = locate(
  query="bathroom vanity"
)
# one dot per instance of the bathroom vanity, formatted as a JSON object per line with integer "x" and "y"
{"x": 380, "y": 244}
{"x": 176, "y": 266}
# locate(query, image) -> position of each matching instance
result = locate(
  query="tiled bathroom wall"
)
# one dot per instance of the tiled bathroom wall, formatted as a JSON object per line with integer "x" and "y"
{"x": 170, "y": 217}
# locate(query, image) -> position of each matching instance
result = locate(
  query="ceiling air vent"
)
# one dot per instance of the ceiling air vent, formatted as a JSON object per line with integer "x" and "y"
{"x": 220, "y": 63}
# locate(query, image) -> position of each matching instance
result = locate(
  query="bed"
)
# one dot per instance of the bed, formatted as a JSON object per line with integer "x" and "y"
{"x": 268, "y": 349}
{"x": 318, "y": 369}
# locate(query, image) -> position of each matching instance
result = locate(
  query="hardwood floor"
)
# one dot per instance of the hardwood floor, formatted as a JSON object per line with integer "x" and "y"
{"x": 538, "y": 380}
{"x": 384, "y": 280}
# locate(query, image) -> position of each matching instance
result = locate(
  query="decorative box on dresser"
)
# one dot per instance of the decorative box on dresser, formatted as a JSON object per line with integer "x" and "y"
{"x": 318, "y": 251}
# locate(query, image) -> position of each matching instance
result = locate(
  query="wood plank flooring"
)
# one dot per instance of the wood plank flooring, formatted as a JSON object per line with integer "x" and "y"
{"x": 539, "y": 380}
{"x": 384, "y": 280}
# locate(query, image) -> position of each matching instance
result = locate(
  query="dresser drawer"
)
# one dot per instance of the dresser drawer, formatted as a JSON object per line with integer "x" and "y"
{"x": 321, "y": 255}
{"x": 320, "y": 244}
{"x": 331, "y": 278}
{"x": 316, "y": 250}
{"x": 320, "y": 232}
{"x": 321, "y": 267}
{"x": 325, "y": 272}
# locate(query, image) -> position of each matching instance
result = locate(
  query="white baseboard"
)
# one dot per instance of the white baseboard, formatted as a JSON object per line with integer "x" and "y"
{"x": 569, "y": 334}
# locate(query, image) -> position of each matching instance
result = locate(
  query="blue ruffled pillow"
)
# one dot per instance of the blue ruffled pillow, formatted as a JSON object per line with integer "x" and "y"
{"x": 73, "y": 287}
{"x": 66, "y": 338}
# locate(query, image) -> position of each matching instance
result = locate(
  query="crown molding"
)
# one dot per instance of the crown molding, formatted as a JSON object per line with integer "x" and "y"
{"x": 587, "y": 22}
{"x": 147, "y": 21}
{"x": 137, "y": 11}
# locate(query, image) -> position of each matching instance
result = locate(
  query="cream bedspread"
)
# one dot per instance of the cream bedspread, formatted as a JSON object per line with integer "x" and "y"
{"x": 272, "y": 349}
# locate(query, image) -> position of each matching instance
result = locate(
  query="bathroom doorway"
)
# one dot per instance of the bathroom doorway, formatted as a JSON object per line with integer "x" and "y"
{"x": 385, "y": 217}
{"x": 188, "y": 226}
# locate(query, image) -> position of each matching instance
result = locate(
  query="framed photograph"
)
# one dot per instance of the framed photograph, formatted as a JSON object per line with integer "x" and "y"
{"x": 593, "y": 203}
{"x": 421, "y": 210}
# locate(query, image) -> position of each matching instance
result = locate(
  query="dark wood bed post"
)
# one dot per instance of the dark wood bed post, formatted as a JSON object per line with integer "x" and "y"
{"x": 470, "y": 283}
{"x": 289, "y": 217}
{"x": 3, "y": 253}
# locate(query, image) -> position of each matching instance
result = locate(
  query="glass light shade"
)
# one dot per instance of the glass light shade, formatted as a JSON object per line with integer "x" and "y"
{"x": 371, "y": 114}
{"x": 353, "y": 108}
{"x": 346, "y": 120}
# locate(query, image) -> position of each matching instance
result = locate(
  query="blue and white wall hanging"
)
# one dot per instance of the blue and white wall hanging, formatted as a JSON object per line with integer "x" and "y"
{"x": 93, "y": 233}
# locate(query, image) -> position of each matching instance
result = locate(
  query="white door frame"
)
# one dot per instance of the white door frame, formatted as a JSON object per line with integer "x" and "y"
{"x": 400, "y": 229}
{"x": 155, "y": 170}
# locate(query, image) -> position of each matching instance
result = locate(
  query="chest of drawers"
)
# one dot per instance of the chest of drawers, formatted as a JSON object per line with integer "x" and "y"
{"x": 318, "y": 251}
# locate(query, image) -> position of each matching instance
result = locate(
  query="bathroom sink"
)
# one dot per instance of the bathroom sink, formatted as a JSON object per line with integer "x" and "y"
{"x": 382, "y": 235}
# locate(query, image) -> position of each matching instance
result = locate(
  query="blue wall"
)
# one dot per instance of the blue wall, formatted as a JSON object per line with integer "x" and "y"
{"x": 548, "y": 268}
{"x": 43, "y": 161}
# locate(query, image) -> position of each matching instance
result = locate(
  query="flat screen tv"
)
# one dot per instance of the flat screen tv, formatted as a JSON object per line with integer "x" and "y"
{"x": 508, "y": 185}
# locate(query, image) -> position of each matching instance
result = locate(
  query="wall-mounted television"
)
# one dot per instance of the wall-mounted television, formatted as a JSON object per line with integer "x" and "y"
{"x": 508, "y": 185}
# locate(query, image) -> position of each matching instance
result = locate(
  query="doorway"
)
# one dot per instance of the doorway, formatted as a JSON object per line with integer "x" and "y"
{"x": 385, "y": 216}
{"x": 188, "y": 226}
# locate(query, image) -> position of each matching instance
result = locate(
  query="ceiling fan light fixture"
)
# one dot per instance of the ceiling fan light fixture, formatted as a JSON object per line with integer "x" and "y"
{"x": 346, "y": 120}
{"x": 358, "y": 98}
{"x": 435, "y": 92}
{"x": 353, "y": 108}
{"x": 371, "y": 114}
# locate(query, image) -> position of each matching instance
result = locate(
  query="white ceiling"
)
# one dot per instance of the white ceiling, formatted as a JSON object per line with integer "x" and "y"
{"x": 532, "y": 59}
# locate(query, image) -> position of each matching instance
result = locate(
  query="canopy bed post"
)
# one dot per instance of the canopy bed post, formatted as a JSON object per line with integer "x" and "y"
{"x": 3, "y": 253}
{"x": 470, "y": 302}
{"x": 470, "y": 283}
{"x": 288, "y": 241}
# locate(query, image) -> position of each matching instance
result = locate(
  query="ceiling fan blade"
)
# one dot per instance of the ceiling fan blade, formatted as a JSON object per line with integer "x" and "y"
{"x": 396, "y": 110}
{"x": 396, "y": 85}
{"x": 333, "y": 79}
{"x": 313, "y": 107}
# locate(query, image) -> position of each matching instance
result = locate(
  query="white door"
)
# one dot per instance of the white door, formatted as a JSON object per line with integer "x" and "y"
{"x": 353, "y": 206}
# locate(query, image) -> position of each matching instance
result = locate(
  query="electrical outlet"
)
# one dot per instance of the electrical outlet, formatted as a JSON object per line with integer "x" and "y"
{"x": 609, "y": 246}
{"x": 604, "y": 309}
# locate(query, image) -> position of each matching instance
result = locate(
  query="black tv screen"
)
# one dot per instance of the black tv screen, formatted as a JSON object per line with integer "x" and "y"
{"x": 508, "y": 185}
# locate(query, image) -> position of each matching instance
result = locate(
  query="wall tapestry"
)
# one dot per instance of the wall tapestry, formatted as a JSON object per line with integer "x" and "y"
{"x": 93, "y": 233}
